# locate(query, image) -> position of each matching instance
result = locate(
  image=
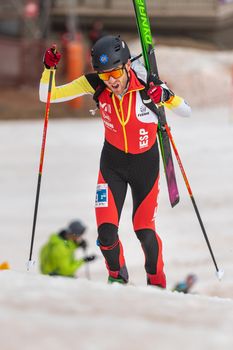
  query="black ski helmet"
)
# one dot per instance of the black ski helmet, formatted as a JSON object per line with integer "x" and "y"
{"x": 109, "y": 52}
{"x": 76, "y": 228}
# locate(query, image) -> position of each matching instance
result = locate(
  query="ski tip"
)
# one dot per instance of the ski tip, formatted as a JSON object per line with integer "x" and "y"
{"x": 174, "y": 200}
{"x": 220, "y": 274}
{"x": 4, "y": 265}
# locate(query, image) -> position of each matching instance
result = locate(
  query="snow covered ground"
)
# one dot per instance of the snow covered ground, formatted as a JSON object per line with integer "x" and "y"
{"x": 40, "y": 312}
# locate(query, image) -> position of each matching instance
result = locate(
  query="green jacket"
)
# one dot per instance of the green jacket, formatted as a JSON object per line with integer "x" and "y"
{"x": 57, "y": 257}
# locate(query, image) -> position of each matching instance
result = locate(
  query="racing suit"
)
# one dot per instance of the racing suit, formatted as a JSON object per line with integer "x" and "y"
{"x": 130, "y": 156}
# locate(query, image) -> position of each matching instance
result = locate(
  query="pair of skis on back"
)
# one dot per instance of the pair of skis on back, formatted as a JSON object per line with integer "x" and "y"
{"x": 145, "y": 35}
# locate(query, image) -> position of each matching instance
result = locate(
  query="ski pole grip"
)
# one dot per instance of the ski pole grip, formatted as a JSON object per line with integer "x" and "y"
{"x": 54, "y": 48}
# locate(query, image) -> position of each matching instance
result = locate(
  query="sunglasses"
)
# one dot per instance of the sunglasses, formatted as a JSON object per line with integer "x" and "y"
{"x": 116, "y": 73}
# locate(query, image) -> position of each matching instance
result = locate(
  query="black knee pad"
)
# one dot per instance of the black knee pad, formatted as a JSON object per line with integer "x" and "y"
{"x": 146, "y": 236}
{"x": 107, "y": 234}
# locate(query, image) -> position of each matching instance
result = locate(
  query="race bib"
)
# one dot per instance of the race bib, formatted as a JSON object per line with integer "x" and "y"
{"x": 101, "y": 199}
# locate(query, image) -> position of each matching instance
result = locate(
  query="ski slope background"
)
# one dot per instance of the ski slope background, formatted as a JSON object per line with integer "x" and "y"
{"x": 40, "y": 312}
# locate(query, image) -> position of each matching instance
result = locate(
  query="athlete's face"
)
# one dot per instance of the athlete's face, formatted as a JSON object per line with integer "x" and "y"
{"x": 118, "y": 83}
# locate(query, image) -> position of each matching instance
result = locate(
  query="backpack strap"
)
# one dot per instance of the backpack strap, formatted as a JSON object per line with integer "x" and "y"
{"x": 97, "y": 84}
{"x": 145, "y": 98}
{"x": 100, "y": 88}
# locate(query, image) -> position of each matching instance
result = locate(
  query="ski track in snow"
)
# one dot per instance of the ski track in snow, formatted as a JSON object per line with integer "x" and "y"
{"x": 40, "y": 312}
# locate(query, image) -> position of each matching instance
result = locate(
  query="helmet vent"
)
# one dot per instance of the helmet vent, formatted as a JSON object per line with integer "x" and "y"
{"x": 117, "y": 44}
{"x": 117, "y": 47}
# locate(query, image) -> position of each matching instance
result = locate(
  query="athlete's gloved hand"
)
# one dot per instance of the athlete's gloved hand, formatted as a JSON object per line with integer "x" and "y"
{"x": 159, "y": 93}
{"x": 51, "y": 57}
{"x": 89, "y": 258}
{"x": 83, "y": 244}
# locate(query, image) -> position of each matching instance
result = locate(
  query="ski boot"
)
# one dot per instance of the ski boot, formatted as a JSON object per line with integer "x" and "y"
{"x": 157, "y": 280}
{"x": 118, "y": 276}
{"x": 112, "y": 280}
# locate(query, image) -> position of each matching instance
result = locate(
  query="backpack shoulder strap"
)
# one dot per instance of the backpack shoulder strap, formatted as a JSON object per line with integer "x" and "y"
{"x": 145, "y": 98}
{"x": 97, "y": 84}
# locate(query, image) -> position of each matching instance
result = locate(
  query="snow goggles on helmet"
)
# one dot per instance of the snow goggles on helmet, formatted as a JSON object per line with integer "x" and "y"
{"x": 116, "y": 73}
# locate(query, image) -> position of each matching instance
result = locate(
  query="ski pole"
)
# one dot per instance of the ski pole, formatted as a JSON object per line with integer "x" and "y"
{"x": 219, "y": 273}
{"x": 46, "y": 119}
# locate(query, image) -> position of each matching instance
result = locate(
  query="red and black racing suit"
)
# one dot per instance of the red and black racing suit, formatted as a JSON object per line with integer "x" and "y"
{"x": 130, "y": 156}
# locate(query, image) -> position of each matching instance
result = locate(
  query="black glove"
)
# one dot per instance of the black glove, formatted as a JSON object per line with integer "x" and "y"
{"x": 89, "y": 258}
{"x": 83, "y": 244}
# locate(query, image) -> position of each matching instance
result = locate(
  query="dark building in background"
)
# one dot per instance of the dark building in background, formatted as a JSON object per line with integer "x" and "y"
{"x": 210, "y": 21}
{"x": 25, "y": 25}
